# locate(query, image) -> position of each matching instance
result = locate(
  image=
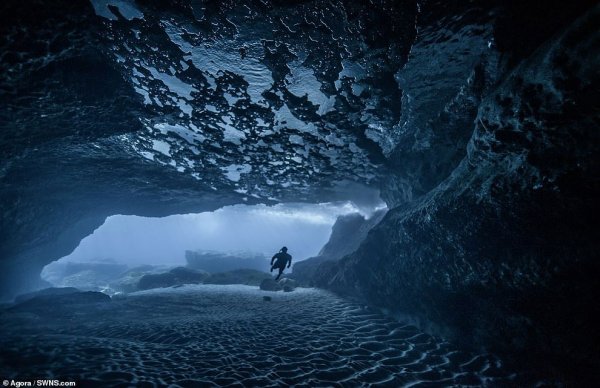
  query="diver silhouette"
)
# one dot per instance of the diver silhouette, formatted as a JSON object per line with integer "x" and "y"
{"x": 283, "y": 258}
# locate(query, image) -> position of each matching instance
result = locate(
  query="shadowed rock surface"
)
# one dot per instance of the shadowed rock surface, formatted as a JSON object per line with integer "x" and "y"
{"x": 347, "y": 234}
{"x": 502, "y": 253}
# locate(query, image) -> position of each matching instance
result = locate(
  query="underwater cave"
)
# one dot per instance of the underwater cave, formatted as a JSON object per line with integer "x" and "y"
{"x": 429, "y": 167}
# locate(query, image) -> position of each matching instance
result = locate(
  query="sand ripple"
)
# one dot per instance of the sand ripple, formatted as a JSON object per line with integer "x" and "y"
{"x": 228, "y": 336}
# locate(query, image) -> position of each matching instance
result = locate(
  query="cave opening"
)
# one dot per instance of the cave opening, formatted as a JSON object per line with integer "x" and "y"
{"x": 236, "y": 237}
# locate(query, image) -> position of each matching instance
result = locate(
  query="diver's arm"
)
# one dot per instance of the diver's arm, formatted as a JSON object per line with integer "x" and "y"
{"x": 290, "y": 261}
{"x": 273, "y": 258}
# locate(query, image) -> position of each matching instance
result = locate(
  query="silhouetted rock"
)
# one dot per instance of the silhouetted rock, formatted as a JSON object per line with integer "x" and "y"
{"x": 248, "y": 277}
{"x": 270, "y": 285}
{"x": 348, "y": 232}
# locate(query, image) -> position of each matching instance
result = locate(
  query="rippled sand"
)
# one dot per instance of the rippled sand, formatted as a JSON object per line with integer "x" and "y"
{"x": 209, "y": 335}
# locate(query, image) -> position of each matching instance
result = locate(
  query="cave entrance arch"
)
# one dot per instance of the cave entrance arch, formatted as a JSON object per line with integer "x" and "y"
{"x": 232, "y": 237}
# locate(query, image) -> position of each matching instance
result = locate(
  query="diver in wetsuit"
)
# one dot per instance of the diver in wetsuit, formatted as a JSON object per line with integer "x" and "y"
{"x": 282, "y": 258}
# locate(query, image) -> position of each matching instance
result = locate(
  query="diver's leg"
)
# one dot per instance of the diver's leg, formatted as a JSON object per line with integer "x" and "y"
{"x": 280, "y": 272}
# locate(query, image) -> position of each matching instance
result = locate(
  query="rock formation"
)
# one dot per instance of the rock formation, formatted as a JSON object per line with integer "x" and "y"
{"x": 347, "y": 234}
{"x": 502, "y": 254}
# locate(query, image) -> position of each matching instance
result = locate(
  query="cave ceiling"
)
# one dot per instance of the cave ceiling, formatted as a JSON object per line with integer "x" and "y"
{"x": 258, "y": 99}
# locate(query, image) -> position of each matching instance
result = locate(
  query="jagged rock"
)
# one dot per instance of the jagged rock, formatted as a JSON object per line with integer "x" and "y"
{"x": 347, "y": 234}
{"x": 503, "y": 253}
{"x": 270, "y": 285}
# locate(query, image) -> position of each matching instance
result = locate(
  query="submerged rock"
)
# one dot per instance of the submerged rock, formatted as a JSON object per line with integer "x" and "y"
{"x": 270, "y": 285}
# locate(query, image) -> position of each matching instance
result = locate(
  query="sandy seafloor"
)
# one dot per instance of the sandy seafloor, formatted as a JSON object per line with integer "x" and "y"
{"x": 209, "y": 335}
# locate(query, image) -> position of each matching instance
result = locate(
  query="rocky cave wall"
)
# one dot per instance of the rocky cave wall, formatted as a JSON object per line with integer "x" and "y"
{"x": 477, "y": 125}
{"x": 503, "y": 253}
{"x": 347, "y": 234}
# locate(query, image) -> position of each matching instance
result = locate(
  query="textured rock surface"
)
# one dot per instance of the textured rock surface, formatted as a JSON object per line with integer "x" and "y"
{"x": 503, "y": 253}
{"x": 347, "y": 234}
